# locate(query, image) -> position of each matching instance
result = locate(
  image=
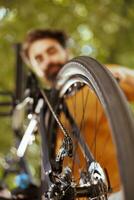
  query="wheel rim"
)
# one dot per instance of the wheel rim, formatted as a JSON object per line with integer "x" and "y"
{"x": 115, "y": 105}
{"x": 90, "y": 121}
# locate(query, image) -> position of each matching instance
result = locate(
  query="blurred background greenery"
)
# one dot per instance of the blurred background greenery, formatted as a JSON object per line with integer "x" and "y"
{"x": 103, "y": 29}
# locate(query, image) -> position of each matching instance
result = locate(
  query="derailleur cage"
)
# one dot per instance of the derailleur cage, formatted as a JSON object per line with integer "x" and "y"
{"x": 66, "y": 149}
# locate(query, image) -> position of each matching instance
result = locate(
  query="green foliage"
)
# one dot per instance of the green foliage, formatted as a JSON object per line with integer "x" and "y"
{"x": 106, "y": 27}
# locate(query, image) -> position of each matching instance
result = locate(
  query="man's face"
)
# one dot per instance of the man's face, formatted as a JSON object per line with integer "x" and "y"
{"x": 47, "y": 57}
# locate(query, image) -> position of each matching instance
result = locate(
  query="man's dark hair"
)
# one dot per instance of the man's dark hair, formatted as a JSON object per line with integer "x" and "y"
{"x": 38, "y": 34}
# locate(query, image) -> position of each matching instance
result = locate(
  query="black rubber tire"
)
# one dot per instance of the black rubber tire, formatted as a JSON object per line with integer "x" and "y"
{"x": 116, "y": 108}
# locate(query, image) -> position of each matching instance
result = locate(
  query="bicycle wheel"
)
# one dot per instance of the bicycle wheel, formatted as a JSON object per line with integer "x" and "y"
{"x": 97, "y": 148}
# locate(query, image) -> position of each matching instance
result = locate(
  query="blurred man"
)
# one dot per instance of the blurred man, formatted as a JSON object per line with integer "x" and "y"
{"x": 45, "y": 51}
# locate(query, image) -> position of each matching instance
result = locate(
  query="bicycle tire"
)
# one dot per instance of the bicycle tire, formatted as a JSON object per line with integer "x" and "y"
{"x": 88, "y": 71}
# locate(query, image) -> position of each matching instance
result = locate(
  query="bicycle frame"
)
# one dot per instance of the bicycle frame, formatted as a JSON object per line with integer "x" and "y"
{"x": 37, "y": 119}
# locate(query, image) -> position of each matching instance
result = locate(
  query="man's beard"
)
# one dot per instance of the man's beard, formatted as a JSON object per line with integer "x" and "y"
{"x": 52, "y": 71}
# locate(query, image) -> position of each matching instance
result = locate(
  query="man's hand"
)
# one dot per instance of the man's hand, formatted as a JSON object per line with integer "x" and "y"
{"x": 125, "y": 77}
{"x": 121, "y": 73}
